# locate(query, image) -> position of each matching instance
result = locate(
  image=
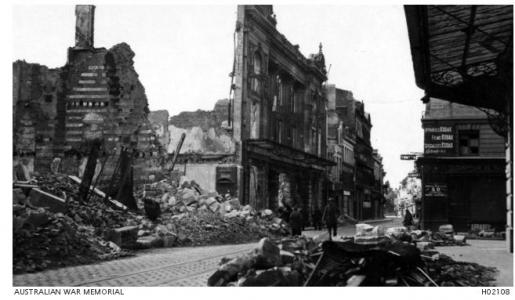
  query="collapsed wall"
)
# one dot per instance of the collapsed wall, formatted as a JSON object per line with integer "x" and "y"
{"x": 208, "y": 150}
{"x": 96, "y": 95}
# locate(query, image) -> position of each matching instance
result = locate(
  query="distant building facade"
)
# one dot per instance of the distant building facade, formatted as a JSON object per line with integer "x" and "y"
{"x": 360, "y": 171}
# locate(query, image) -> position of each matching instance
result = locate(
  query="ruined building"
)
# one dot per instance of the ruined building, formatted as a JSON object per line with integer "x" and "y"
{"x": 267, "y": 144}
{"x": 277, "y": 116}
{"x": 97, "y": 94}
{"x": 208, "y": 148}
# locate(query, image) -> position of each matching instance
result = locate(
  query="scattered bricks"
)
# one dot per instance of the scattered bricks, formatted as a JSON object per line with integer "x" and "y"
{"x": 319, "y": 238}
{"x": 356, "y": 280}
{"x": 267, "y": 278}
{"x": 169, "y": 241}
{"x": 266, "y": 213}
{"x": 215, "y": 207}
{"x": 268, "y": 252}
{"x": 42, "y": 199}
{"x": 18, "y": 196}
{"x": 460, "y": 239}
{"x": 235, "y": 203}
{"x": 424, "y": 245}
{"x": 113, "y": 236}
{"x": 143, "y": 243}
{"x": 38, "y": 219}
{"x": 128, "y": 236}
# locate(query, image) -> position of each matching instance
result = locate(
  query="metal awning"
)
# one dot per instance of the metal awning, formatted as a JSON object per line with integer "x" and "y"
{"x": 463, "y": 53}
{"x": 286, "y": 154}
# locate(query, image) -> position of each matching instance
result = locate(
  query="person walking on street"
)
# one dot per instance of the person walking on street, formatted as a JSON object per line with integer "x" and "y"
{"x": 408, "y": 219}
{"x": 317, "y": 218}
{"x": 330, "y": 217}
{"x": 296, "y": 222}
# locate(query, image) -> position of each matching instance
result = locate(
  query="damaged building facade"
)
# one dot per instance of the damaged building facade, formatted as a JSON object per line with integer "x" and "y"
{"x": 266, "y": 145}
{"x": 278, "y": 116}
{"x": 96, "y": 96}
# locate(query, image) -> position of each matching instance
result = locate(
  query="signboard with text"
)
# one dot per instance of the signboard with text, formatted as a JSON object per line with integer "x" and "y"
{"x": 435, "y": 190}
{"x": 438, "y": 140}
{"x": 408, "y": 156}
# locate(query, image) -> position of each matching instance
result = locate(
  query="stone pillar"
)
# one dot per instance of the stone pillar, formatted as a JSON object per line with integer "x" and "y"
{"x": 84, "y": 26}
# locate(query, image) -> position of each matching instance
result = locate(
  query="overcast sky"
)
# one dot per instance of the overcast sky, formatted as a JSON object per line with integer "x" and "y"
{"x": 184, "y": 55}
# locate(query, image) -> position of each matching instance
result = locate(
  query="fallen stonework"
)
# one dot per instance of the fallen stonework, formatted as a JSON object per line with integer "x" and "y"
{"x": 100, "y": 229}
{"x": 302, "y": 261}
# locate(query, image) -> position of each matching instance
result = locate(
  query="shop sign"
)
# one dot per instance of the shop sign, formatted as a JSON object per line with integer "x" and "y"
{"x": 408, "y": 156}
{"x": 438, "y": 140}
{"x": 346, "y": 193}
{"x": 367, "y": 204}
{"x": 435, "y": 190}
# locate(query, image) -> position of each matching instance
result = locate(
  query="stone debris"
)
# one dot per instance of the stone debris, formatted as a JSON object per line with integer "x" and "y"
{"x": 43, "y": 239}
{"x": 169, "y": 215}
{"x": 303, "y": 261}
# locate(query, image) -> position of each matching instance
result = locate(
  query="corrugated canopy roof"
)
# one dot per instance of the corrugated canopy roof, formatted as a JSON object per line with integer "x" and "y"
{"x": 463, "y": 53}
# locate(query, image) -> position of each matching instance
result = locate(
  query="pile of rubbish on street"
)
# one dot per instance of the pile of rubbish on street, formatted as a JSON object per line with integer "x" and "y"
{"x": 426, "y": 239}
{"x": 369, "y": 258}
{"x": 42, "y": 239}
{"x": 52, "y": 228}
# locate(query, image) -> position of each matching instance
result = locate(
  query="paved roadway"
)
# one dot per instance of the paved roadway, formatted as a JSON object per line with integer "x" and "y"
{"x": 185, "y": 266}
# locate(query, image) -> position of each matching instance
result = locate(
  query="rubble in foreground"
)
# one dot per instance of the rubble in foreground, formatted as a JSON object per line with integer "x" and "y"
{"x": 52, "y": 229}
{"x": 379, "y": 262}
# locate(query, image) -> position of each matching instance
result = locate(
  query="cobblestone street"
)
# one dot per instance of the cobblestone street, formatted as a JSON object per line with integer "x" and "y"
{"x": 188, "y": 266}
{"x": 191, "y": 266}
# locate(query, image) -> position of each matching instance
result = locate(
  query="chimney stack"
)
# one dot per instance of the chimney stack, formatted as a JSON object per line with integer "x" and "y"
{"x": 84, "y": 26}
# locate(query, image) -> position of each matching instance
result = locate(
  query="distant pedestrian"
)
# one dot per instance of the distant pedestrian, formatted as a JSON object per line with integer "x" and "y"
{"x": 330, "y": 217}
{"x": 317, "y": 218}
{"x": 408, "y": 219}
{"x": 284, "y": 214}
{"x": 296, "y": 222}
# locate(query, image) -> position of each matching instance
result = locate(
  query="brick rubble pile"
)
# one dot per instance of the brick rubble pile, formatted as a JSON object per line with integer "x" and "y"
{"x": 70, "y": 233}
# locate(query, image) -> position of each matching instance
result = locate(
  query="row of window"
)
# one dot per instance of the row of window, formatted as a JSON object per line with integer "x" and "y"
{"x": 284, "y": 92}
{"x": 88, "y": 104}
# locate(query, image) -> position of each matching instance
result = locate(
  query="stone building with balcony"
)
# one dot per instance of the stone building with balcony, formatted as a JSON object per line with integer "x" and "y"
{"x": 278, "y": 116}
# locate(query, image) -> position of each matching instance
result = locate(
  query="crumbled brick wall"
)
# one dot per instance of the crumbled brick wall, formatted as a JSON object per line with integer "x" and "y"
{"x": 204, "y": 130}
{"x": 36, "y": 92}
{"x": 49, "y": 107}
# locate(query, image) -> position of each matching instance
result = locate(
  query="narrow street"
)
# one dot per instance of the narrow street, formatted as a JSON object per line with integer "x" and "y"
{"x": 185, "y": 266}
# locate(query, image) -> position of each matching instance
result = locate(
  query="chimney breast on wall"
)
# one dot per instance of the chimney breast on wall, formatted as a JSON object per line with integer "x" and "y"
{"x": 84, "y": 26}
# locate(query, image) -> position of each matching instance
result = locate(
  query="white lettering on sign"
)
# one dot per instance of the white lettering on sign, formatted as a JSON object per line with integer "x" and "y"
{"x": 443, "y": 137}
{"x": 438, "y": 129}
{"x": 88, "y": 74}
{"x": 87, "y": 96}
{"x": 87, "y": 81}
{"x": 95, "y": 67}
{"x": 439, "y": 145}
{"x": 90, "y": 89}
{"x": 74, "y": 125}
